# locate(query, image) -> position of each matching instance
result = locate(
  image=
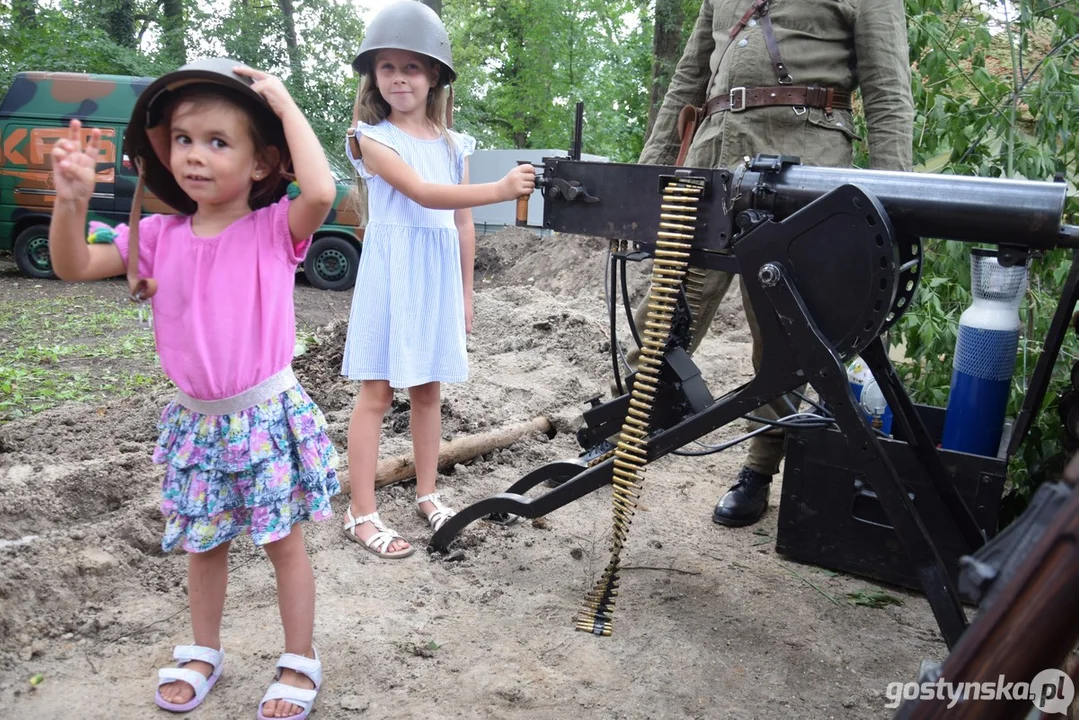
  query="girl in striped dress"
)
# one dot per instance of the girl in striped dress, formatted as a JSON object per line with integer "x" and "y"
{"x": 412, "y": 303}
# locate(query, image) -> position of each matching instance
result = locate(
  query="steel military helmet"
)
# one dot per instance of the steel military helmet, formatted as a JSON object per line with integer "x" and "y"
{"x": 148, "y": 138}
{"x": 408, "y": 25}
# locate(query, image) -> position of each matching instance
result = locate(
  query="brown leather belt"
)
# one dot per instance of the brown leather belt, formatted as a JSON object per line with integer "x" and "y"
{"x": 743, "y": 98}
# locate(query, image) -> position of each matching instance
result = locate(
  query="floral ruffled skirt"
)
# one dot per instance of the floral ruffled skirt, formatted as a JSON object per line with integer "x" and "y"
{"x": 258, "y": 471}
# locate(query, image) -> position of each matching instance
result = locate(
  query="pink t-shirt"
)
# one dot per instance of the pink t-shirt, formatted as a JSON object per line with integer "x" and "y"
{"x": 223, "y": 314}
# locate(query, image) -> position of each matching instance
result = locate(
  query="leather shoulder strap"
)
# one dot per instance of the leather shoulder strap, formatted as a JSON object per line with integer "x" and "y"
{"x": 782, "y": 75}
{"x": 758, "y": 6}
{"x": 140, "y": 289}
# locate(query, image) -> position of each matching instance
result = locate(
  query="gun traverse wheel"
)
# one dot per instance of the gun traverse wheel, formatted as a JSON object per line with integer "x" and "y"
{"x": 854, "y": 276}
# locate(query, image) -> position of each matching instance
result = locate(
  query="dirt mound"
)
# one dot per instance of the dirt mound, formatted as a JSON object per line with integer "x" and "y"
{"x": 564, "y": 265}
{"x": 319, "y": 367}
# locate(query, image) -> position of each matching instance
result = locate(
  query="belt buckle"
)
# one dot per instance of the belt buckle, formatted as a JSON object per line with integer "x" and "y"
{"x": 736, "y": 92}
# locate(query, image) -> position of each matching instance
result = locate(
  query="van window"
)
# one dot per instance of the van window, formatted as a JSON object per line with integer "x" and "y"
{"x": 127, "y": 167}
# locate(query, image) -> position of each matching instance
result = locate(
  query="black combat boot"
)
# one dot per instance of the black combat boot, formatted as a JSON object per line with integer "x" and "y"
{"x": 745, "y": 502}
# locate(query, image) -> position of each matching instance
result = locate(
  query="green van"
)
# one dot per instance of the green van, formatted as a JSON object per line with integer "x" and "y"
{"x": 35, "y": 113}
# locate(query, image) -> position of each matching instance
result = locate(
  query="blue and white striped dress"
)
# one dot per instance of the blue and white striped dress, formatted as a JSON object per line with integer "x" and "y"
{"x": 407, "y": 323}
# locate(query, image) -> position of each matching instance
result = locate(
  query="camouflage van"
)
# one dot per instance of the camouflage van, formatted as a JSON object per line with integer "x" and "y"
{"x": 35, "y": 113}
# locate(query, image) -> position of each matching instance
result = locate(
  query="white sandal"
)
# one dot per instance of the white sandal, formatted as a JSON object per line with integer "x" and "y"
{"x": 301, "y": 697}
{"x": 201, "y": 684}
{"x": 379, "y": 543}
{"x": 439, "y": 515}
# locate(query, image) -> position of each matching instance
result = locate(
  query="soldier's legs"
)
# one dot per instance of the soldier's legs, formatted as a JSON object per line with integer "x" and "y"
{"x": 745, "y": 502}
{"x": 715, "y": 288}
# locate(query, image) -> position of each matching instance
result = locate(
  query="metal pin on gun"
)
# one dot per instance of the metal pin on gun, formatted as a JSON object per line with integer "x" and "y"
{"x": 542, "y": 182}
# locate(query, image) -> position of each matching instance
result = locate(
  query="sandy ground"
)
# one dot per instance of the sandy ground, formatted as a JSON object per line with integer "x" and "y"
{"x": 710, "y": 621}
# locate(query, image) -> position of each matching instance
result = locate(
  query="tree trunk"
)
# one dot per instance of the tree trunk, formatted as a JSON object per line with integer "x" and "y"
{"x": 120, "y": 22}
{"x": 666, "y": 49}
{"x": 435, "y": 5}
{"x": 294, "y": 59}
{"x": 173, "y": 30}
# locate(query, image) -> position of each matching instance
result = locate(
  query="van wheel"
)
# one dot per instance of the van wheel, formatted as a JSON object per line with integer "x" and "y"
{"x": 332, "y": 263}
{"x": 31, "y": 252}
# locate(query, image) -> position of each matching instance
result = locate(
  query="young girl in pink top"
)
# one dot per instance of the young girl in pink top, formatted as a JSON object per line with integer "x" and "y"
{"x": 244, "y": 448}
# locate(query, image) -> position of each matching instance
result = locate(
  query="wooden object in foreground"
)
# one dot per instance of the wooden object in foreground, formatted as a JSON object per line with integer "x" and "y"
{"x": 458, "y": 450}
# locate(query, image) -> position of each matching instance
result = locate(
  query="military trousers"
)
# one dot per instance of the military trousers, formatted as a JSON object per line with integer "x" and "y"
{"x": 766, "y": 448}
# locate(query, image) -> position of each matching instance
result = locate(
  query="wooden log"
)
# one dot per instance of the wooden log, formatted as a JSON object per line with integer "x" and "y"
{"x": 458, "y": 450}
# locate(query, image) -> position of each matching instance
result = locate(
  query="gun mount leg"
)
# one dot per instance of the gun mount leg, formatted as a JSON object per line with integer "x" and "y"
{"x": 579, "y": 481}
{"x": 582, "y": 476}
{"x": 920, "y": 442}
{"x": 829, "y": 379}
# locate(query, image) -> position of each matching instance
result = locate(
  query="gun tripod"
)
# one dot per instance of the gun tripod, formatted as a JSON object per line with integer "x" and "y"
{"x": 824, "y": 283}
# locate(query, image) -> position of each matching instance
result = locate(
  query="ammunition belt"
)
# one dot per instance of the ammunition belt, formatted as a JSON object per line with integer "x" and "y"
{"x": 671, "y": 277}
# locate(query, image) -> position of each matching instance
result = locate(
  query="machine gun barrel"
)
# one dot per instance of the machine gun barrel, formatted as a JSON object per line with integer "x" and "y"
{"x": 991, "y": 210}
{"x": 622, "y": 201}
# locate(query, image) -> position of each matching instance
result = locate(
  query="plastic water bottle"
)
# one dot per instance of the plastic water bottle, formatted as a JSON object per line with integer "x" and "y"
{"x": 985, "y": 354}
{"x": 876, "y": 408}
{"x": 869, "y": 396}
{"x": 858, "y": 375}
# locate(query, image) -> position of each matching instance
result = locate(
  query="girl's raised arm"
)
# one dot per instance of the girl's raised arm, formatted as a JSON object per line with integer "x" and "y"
{"x": 384, "y": 162}
{"x": 74, "y": 170}
{"x": 317, "y": 187}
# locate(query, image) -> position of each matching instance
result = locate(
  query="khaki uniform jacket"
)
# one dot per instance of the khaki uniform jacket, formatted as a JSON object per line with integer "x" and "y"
{"x": 842, "y": 44}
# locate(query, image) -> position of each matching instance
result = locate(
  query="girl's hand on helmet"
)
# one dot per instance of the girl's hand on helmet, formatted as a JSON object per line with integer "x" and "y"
{"x": 269, "y": 87}
{"x": 74, "y": 166}
{"x": 519, "y": 181}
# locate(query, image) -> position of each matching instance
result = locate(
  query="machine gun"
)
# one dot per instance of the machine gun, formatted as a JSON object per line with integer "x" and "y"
{"x": 830, "y": 258}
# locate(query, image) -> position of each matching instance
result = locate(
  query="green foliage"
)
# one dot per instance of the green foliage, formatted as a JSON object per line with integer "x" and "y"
{"x": 994, "y": 96}
{"x": 255, "y": 34}
{"x": 46, "y": 43}
{"x": 524, "y": 64}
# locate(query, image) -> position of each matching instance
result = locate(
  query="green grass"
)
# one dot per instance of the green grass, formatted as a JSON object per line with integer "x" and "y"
{"x": 74, "y": 349}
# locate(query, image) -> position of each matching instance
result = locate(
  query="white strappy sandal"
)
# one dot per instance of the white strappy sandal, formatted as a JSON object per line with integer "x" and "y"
{"x": 201, "y": 684}
{"x": 300, "y": 697}
{"x": 379, "y": 543}
{"x": 439, "y": 515}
